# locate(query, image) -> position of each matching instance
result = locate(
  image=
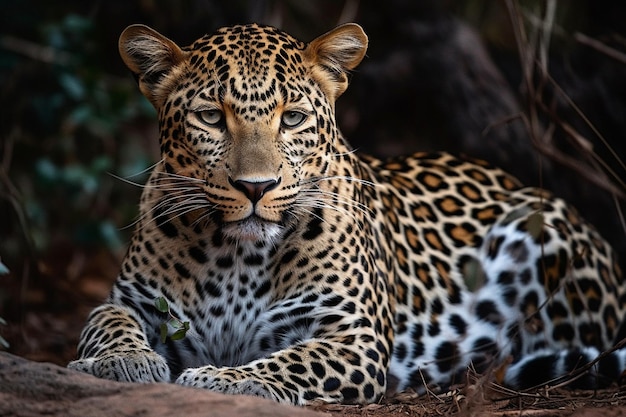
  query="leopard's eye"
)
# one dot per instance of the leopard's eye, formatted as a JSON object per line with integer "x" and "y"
{"x": 291, "y": 119}
{"x": 210, "y": 117}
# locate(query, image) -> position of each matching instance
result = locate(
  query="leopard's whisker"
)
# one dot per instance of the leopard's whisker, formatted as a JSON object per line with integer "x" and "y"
{"x": 312, "y": 194}
{"x": 171, "y": 202}
{"x": 341, "y": 178}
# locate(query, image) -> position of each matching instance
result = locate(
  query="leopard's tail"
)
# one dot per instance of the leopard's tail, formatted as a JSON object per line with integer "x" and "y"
{"x": 583, "y": 368}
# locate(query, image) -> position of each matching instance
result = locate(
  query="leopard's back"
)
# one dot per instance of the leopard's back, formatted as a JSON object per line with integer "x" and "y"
{"x": 485, "y": 270}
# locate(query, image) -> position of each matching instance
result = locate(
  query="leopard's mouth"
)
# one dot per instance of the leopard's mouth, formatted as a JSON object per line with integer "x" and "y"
{"x": 252, "y": 228}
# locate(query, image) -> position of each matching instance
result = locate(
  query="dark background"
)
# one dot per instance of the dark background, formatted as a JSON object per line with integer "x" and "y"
{"x": 444, "y": 75}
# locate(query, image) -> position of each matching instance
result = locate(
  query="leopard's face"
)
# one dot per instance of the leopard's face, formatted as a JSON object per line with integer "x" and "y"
{"x": 246, "y": 120}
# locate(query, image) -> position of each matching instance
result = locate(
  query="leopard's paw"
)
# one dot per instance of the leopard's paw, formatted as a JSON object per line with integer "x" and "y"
{"x": 137, "y": 366}
{"x": 226, "y": 381}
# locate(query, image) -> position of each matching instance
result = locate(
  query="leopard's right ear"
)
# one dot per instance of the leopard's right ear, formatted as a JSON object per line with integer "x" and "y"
{"x": 334, "y": 54}
{"x": 153, "y": 59}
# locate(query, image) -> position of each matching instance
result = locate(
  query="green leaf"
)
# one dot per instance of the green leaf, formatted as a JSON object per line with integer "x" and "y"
{"x": 174, "y": 323}
{"x": 161, "y": 304}
{"x": 76, "y": 23}
{"x": 101, "y": 164}
{"x": 515, "y": 215}
{"x": 179, "y": 334}
{"x": 473, "y": 275}
{"x": 3, "y": 322}
{"x": 46, "y": 170}
{"x": 72, "y": 85}
{"x": 80, "y": 115}
{"x": 163, "y": 329}
{"x": 110, "y": 234}
{"x": 534, "y": 224}
{"x": 3, "y": 271}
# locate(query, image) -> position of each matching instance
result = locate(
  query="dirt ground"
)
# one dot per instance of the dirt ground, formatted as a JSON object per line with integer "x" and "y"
{"x": 478, "y": 400}
{"x": 47, "y": 304}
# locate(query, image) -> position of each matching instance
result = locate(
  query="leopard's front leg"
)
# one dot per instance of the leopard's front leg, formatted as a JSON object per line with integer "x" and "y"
{"x": 114, "y": 346}
{"x": 347, "y": 370}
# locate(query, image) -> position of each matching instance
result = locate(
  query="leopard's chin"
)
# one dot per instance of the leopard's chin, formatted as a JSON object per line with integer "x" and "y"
{"x": 252, "y": 229}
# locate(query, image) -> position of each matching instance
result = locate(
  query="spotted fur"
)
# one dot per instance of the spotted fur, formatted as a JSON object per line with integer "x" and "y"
{"x": 307, "y": 272}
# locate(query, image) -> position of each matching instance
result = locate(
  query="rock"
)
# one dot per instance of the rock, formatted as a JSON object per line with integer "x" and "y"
{"x": 33, "y": 389}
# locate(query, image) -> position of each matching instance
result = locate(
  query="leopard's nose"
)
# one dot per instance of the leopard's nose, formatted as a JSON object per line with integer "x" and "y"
{"x": 254, "y": 190}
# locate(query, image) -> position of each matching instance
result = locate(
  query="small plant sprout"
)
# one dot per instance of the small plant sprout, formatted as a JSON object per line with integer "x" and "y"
{"x": 178, "y": 327}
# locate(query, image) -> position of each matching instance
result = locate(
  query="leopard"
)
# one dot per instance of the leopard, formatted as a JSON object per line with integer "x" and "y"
{"x": 301, "y": 270}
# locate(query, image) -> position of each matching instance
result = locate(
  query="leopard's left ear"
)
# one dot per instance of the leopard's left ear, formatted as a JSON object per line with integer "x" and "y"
{"x": 334, "y": 54}
{"x": 153, "y": 58}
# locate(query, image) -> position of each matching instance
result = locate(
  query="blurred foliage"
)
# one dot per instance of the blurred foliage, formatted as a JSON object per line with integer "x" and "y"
{"x": 64, "y": 128}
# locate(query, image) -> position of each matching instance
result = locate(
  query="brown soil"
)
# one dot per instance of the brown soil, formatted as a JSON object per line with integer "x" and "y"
{"x": 481, "y": 400}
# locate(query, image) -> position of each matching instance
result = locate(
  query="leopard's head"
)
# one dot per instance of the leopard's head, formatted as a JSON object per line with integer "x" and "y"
{"x": 246, "y": 118}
